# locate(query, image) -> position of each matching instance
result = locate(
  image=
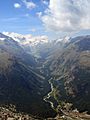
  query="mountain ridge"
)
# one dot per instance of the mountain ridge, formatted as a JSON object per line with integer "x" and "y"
{"x": 63, "y": 64}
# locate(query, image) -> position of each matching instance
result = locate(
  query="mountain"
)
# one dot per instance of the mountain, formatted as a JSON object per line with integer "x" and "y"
{"x": 21, "y": 84}
{"x": 44, "y": 78}
{"x": 28, "y": 42}
{"x": 38, "y": 46}
{"x": 27, "y": 39}
{"x": 69, "y": 73}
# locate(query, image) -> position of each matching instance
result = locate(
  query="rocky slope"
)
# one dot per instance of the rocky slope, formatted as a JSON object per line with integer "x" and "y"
{"x": 21, "y": 84}
{"x": 11, "y": 114}
{"x": 30, "y": 66}
{"x": 70, "y": 72}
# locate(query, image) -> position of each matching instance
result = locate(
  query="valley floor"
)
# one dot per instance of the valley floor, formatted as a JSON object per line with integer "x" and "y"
{"x": 66, "y": 115}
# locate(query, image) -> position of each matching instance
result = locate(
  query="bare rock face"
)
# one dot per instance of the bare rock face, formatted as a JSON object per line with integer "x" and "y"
{"x": 11, "y": 114}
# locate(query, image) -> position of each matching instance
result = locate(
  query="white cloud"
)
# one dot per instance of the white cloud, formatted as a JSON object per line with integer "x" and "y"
{"x": 17, "y": 5}
{"x": 29, "y": 5}
{"x": 45, "y": 2}
{"x": 67, "y": 15}
{"x": 39, "y": 14}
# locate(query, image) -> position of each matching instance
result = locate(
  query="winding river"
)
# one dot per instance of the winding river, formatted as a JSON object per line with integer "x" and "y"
{"x": 46, "y": 98}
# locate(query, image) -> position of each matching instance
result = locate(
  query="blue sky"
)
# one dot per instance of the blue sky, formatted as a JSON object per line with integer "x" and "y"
{"x": 54, "y": 18}
{"x": 21, "y": 20}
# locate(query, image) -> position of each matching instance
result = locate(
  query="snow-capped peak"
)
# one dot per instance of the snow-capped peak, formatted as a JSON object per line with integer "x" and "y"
{"x": 66, "y": 39}
{"x": 27, "y": 39}
{"x": 17, "y": 37}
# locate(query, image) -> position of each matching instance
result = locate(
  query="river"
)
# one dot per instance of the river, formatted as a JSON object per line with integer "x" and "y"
{"x": 46, "y": 98}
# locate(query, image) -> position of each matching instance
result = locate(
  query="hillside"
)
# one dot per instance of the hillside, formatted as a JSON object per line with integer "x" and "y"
{"x": 69, "y": 73}
{"x": 56, "y": 82}
{"x": 21, "y": 84}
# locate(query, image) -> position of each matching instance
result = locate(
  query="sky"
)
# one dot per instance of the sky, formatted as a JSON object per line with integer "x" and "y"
{"x": 54, "y": 18}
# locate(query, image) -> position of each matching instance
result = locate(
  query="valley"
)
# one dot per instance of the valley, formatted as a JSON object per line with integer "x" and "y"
{"x": 53, "y": 83}
{"x": 44, "y": 59}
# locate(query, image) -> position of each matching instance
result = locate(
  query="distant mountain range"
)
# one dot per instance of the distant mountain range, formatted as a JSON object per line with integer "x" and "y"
{"x": 39, "y": 46}
{"x": 30, "y": 66}
{"x": 28, "y": 42}
{"x": 27, "y": 39}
